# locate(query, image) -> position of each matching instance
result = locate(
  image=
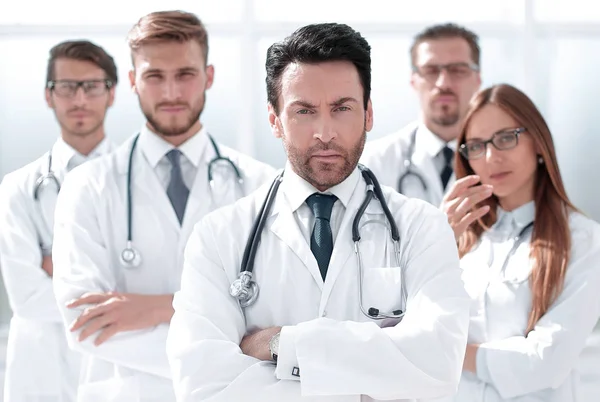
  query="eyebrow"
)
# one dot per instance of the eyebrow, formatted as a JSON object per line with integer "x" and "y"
{"x": 335, "y": 103}
{"x": 179, "y": 70}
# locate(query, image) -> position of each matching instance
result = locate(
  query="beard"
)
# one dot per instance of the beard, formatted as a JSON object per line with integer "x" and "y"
{"x": 324, "y": 175}
{"x": 173, "y": 129}
{"x": 448, "y": 114}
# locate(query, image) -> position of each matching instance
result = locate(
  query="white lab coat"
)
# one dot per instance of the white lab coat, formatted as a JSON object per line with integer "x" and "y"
{"x": 40, "y": 367}
{"x": 341, "y": 354}
{"x": 91, "y": 232}
{"x": 386, "y": 156}
{"x": 549, "y": 364}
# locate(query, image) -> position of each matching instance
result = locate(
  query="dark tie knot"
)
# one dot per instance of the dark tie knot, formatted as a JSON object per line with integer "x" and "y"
{"x": 173, "y": 156}
{"x": 448, "y": 155}
{"x": 321, "y": 205}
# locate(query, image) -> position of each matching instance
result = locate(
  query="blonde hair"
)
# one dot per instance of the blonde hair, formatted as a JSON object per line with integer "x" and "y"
{"x": 161, "y": 26}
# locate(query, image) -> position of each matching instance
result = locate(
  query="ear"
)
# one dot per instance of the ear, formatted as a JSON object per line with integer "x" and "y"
{"x": 49, "y": 100}
{"x": 210, "y": 75}
{"x": 369, "y": 117}
{"x": 132, "y": 81}
{"x": 413, "y": 84}
{"x": 111, "y": 95}
{"x": 275, "y": 122}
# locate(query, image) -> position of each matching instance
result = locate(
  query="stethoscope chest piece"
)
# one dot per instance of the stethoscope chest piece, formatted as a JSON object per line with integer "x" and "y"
{"x": 244, "y": 289}
{"x": 130, "y": 257}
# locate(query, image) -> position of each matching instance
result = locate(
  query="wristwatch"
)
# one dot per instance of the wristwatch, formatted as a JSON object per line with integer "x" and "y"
{"x": 274, "y": 346}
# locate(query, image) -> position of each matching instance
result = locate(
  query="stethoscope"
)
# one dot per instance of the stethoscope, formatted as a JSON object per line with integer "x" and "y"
{"x": 517, "y": 241}
{"x": 130, "y": 257}
{"x": 409, "y": 166}
{"x": 246, "y": 290}
{"x": 40, "y": 183}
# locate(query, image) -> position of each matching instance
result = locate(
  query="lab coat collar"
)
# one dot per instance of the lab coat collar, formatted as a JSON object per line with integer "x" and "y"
{"x": 297, "y": 190}
{"x": 155, "y": 148}
{"x": 65, "y": 157}
{"x": 516, "y": 219}
{"x": 429, "y": 143}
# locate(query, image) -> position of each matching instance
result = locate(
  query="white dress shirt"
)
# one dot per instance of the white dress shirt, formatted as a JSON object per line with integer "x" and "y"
{"x": 155, "y": 149}
{"x": 298, "y": 190}
{"x": 429, "y": 143}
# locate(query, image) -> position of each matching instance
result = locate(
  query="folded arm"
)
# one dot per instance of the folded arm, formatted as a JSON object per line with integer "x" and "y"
{"x": 82, "y": 267}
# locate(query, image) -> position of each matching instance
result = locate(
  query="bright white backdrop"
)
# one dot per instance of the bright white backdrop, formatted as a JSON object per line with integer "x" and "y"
{"x": 548, "y": 48}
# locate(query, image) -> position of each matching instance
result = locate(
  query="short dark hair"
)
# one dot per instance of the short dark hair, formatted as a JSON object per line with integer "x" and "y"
{"x": 161, "y": 26}
{"x": 447, "y": 31}
{"x": 318, "y": 43}
{"x": 82, "y": 50}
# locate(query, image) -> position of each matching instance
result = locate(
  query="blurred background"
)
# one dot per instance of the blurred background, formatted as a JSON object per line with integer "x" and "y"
{"x": 548, "y": 48}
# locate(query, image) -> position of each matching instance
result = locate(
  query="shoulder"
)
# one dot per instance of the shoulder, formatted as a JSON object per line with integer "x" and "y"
{"x": 235, "y": 218}
{"x": 247, "y": 164}
{"x": 585, "y": 234}
{"x": 22, "y": 180}
{"x": 389, "y": 144}
{"x": 413, "y": 210}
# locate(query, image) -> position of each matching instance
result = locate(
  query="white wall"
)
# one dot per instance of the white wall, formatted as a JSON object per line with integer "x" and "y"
{"x": 548, "y": 48}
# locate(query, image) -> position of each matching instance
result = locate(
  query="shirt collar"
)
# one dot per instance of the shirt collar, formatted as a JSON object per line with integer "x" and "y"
{"x": 155, "y": 148}
{"x": 65, "y": 157}
{"x": 517, "y": 218}
{"x": 297, "y": 190}
{"x": 429, "y": 143}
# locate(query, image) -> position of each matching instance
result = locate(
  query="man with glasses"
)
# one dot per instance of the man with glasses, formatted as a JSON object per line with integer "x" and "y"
{"x": 417, "y": 160}
{"x": 80, "y": 87}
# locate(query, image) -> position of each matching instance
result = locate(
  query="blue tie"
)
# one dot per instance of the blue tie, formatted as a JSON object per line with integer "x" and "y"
{"x": 177, "y": 191}
{"x": 321, "y": 240}
{"x": 447, "y": 170}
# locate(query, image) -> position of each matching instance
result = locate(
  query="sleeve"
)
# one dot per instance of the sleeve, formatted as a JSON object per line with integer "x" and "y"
{"x": 544, "y": 358}
{"x": 421, "y": 357}
{"x": 82, "y": 265}
{"x": 206, "y": 330}
{"x": 28, "y": 286}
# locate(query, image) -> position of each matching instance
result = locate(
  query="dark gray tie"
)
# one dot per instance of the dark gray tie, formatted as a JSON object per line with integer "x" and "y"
{"x": 447, "y": 170}
{"x": 321, "y": 240}
{"x": 177, "y": 191}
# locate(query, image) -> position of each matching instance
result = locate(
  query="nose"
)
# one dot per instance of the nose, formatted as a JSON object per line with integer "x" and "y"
{"x": 80, "y": 97}
{"x": 171, "y": 89}
{"x": 491, "y": 153}
{"x": 443, "y": 79}
{"x": 325, "y": 130}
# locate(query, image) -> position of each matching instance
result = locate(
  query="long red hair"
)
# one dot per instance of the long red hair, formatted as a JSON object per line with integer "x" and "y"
{"x": 551, "y": 237}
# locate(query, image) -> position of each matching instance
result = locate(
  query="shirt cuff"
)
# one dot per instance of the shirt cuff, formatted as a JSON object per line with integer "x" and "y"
{"x": 482, "y": 370}
{"x": 287, "y": 361}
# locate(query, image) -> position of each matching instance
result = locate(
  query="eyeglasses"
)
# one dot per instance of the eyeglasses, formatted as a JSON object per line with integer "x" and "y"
{"x": 68, "y": 88}
{"x": 455, "y": 71}
{"x": 502, "y": 141}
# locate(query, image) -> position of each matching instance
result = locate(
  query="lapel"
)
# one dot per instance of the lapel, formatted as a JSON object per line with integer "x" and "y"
{"x": 145, "y": 187}
{"x": 425, "y": 164}
{"x": 343, "y": 247}
{"x": 286, "y": 229}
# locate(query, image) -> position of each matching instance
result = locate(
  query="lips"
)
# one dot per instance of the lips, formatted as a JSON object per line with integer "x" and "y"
{"x": 499, "y": 175}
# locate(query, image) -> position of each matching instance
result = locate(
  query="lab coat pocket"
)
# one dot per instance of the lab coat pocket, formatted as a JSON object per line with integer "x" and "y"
{"x": 382, "y": 289}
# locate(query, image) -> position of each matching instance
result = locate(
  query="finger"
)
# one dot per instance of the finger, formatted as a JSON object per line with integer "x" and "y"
{"x": 95, "y": 325}
{"x": 89, "y": 298}
{"x": 460, "y": 185}
{"x": 469, "y": 218}
{"x": 470, "y": 202}
{"x": 89, "y": 314}
{"x": 107, "y": 333}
